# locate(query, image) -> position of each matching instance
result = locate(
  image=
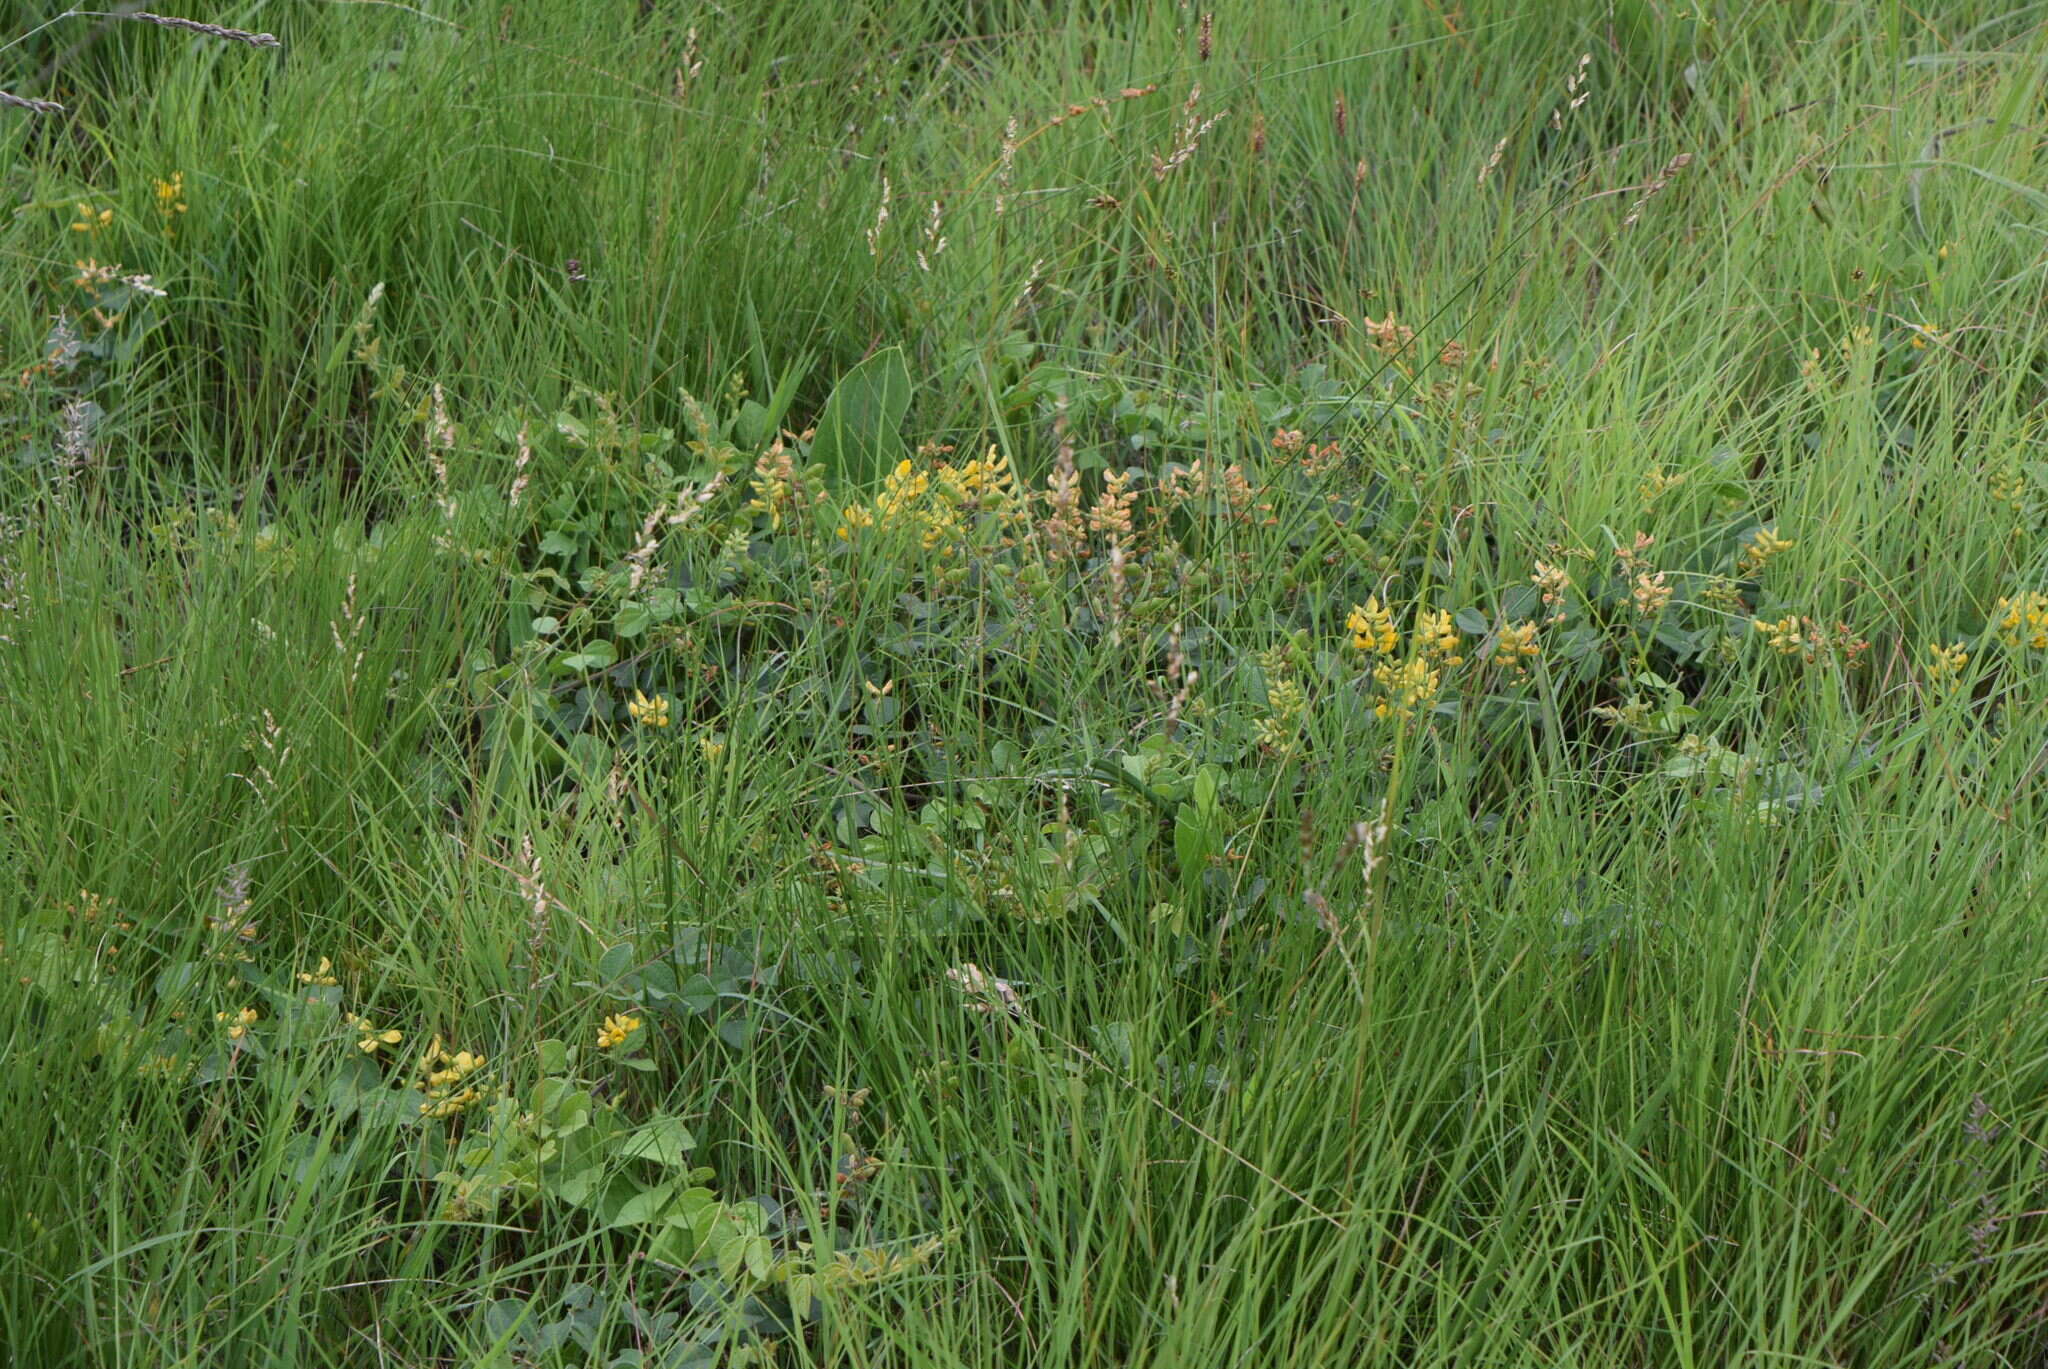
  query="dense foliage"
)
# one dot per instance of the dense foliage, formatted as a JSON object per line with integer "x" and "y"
{"x": 1027, "y": 683}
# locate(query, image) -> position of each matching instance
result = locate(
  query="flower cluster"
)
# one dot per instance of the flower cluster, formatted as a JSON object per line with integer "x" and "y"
{"x": 444, "y": 1080}
{"x": 1409, "y": 685}
{"x": 2022, "y": 622}
{"x": 1405, "y": 688}
{"x": 1793, "y": 635}
{"x": 616, "y": 1029}
{"x": 1286, "y": 699}
{"x": 1516, "y": 646}
{"x": 1945, "y": 663}
{"x": 937, "y": 505}
{"x": 778, "y": 488}
{"x": 170, "y": 202}
{"x": 369, "y": 1038}
{"x": 1371, "y": 626}
{"x": 238, "y": 1022}
{"x": 648, "y": 712}
{"x": 1758, "y": 551}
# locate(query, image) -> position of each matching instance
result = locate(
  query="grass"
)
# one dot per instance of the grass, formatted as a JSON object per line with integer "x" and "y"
{"x": 1035, "y": 683}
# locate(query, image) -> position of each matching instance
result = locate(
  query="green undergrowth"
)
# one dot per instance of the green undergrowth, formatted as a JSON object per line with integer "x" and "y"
{"x": 1024, "y": 684}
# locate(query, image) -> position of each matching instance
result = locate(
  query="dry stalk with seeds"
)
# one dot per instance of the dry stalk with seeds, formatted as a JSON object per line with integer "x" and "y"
{"x": 1179, "y": 679}
{"x": 269, "y": 739}
{"x": 640, "y": 561}
{"x": 520, "y": 474}
{"x": 247, "y": 37}
{"x": 440, "y": 442}
{"x": 13, "y": 596}
{"x": 344, "y": 642}
{"x": 1650, "y": 192}
{"x": 1493, "y": 162}
{"x": 1006, "y": 161}
{"x": 881, "y": 219}
{"x": 222, "y": 31}
{"x": 1576, "y": 92}
{"x": 934, "y": 240}
{"x": 692, "y": 67}
{"x": 74, "y": 440}
{"x": 534, "y": 891}
{"x": 1192, "y": 130}
{"x": 13, "y": 101}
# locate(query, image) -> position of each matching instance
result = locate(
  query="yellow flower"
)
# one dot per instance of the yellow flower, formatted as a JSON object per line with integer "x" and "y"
{"x": 2009, "y": 486}
{"x": 450, "y": 1104}
{"x": 711, "y": 748}
{"x": 170, "y": 201}
{"x": 242, "y": 1021}
{"x": 442, "y": 1076}
{"x": 2022, "y": 622}
{"x": 1407, "y": 687}
{"x": 985, "y": 484}
{"x": 648, "y": 712}
{"x": 1516, "y": 644}
{"x": 323, "y": 976}
{"x": 1945, "y": 663}
{"x": 853, "y": 518}
{"x": 616, "y": 1029}
{"x": 1762, "y": 546}
{"x": 372, "y": 1040}
{"x": 91, "y": 220}
{"x": 1372, "y": 628}
{"x": 1784, "y": 635}
{"x": 1656, "y": 483}
{"x": 1436, "y": 636}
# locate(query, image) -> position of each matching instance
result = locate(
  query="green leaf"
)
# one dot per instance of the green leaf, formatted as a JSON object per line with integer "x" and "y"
{"x": 649, "y": 1205}
{"x": 798, "y": 1290}
{"x": 699, "y": 994}
{"x": 633, "y": 618}
{"x": 353, "y": 1079}
{"x": 173, "y": 982}
{"x": 554, "y": 1056}
{"x": 860, "y": 432}
{"x": 681, "y": 1240}
{"x": 760, "y": 1258}
{"x": 502, "y": 1319}
{"x": 665, "y": 1140}
{"x": 731, "y": 1251}
{"x": 615, "y": 963}
{"x": 1190, "y": 843}
{"x": 752, "y": 426}
{"x": 591, "y": 757}
{"x": 599, "y": 655}
{"x": 578, "y": 1186}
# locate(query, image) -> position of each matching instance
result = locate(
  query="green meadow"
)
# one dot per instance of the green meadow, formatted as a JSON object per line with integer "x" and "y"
{"x": 1032, "y": 683}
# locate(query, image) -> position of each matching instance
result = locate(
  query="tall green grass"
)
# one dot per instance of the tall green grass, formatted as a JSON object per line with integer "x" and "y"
{"x": 1614, "y": 1049}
